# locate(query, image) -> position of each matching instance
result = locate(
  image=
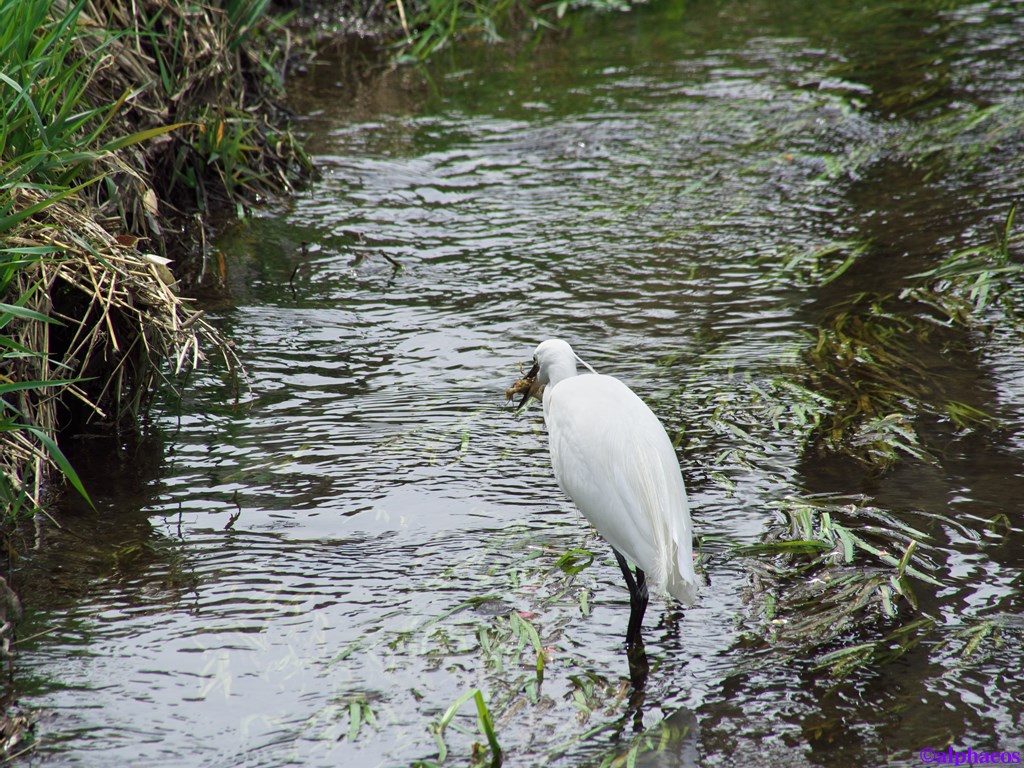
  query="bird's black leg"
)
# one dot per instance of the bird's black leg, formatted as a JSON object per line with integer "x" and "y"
{"x": 638, "y": 607}
{"x": 637, "y": 600}
{"x": 626, "y": 573}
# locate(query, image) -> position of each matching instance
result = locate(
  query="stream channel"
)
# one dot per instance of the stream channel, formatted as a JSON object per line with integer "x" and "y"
{"x": 313, "y": 573}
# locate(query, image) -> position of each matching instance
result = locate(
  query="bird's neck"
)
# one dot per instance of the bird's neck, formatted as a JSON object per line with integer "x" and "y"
{"x": 560, "y": 370}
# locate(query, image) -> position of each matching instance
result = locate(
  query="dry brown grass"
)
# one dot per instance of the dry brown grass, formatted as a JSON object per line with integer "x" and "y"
{"x": 181, "y": 120}
{"x": 118, "y": 324}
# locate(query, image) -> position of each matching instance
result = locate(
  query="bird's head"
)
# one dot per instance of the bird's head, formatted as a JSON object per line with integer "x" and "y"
{"x": 553, "y": 360}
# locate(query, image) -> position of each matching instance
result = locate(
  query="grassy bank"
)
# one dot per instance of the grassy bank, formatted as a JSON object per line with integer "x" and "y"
{"x": 118, "y": 126}
{"x": 419, "y": 28}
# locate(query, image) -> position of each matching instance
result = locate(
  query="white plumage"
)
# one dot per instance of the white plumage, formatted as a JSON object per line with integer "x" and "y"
{"x": 613, "y": 458}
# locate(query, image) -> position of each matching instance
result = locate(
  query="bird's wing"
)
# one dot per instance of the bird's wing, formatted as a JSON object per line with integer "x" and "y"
{"x": 612, "y": 457}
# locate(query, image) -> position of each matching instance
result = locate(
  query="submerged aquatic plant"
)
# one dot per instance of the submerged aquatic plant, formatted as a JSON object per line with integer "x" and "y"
{"x": 484, "y": 722}
{"x": 869, "y": 360}
{"x": 830, "y": 577}
{"x": 877, "y": 362}
{"x": 969, "y": 281}
{"x": 826, "y": 566}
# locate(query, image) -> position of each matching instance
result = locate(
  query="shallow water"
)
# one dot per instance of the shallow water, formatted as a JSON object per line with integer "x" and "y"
{"x": 355, "y": 531}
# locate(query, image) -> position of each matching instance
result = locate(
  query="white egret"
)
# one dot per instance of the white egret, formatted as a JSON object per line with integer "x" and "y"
{"x": 613, "y": 458}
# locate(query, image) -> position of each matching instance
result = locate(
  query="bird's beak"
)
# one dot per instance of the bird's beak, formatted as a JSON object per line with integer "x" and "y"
{"x": 527, "y": 386}
{"x": 535, "y": 385}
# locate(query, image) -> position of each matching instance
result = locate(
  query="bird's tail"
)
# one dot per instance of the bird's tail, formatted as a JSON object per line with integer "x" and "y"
{"x": 681, "y": 581}
{"x": 682, "y": 587}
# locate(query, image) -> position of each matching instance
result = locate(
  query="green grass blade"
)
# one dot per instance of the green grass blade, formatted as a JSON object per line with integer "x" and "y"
{"x": 58, "y": 457}
{"x": 487, "y": 726}
{"x": 9, "y": 310}
{"x": 140, "y": 136}
{"x": 10, "y": 220}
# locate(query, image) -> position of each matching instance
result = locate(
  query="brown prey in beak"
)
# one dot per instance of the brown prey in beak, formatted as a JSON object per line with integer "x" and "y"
{"x": 528, "y": 386}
